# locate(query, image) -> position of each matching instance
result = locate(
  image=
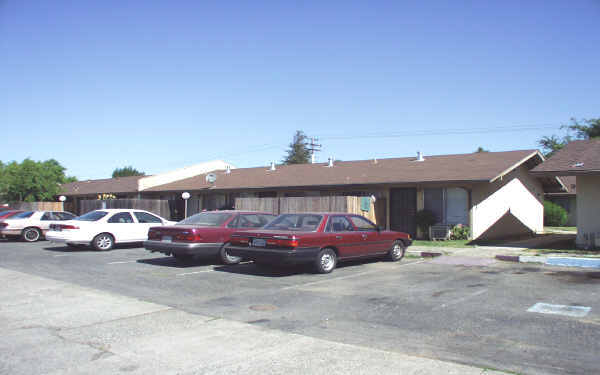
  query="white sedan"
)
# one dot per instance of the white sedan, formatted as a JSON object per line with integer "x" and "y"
{"x": 32, "y": 225}
{"x": 104, "y": 228}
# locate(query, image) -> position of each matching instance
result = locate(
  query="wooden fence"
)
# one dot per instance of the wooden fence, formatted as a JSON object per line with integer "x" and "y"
{"x": 157, "y": 206}
{"x": 349, "y": 204}
{"x": 37, "y": 206}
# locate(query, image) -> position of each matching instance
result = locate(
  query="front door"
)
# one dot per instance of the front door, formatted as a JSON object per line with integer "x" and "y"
{"x": 403, "y": 208}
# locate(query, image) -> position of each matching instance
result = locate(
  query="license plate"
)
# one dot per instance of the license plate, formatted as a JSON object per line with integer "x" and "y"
{"x": 167, "y": 239}
{"x": 259, "y": 242}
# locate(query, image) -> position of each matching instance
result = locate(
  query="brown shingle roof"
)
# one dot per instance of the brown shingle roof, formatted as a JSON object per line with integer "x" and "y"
{"x": 108, "y": 185}
{"x": 484, "y": 166}
{"x": 577, "y": 157}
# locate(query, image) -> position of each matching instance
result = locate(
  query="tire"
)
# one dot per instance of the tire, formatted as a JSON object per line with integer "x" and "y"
{"x": 183, "y": 258}
{"x": 226, "y": 258}
{"x": 31, "y": 234}
{"x": 397, "y": 251}
{"x": 103, "y": 242}
{"x": 326, "y": 261}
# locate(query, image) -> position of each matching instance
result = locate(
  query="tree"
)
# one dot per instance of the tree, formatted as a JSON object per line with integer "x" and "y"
{"x": 586, "y": 129}
{"x": 552, "y": 144}
{"x": 127, "y": 171}
{"x": 31, "y": 181}
{"x": 481, "y": 149}
{"x": 298, "y": 152}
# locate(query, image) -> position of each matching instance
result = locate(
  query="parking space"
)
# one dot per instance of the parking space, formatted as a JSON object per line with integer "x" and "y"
{"x": 462, "y": 311}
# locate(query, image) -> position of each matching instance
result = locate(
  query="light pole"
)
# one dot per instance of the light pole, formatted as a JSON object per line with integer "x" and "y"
{"x": 62, "y": 200}
{"x": 185, "y": 195}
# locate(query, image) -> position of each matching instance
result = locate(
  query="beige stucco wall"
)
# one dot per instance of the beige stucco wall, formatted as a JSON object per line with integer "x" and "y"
{"x": 517, "y": 193}
{"x": 588, "y": 211}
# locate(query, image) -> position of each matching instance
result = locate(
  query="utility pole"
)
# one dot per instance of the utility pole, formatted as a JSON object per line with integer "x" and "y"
{"x": 314, "y": 147}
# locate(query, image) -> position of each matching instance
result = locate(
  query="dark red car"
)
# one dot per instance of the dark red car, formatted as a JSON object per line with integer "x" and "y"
{"x": 8, "y": 213}
{"x": 319, "y": 238}
{"x": 204, "y": 234}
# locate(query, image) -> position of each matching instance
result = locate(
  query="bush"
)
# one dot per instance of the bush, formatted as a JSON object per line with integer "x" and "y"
{"x": 460, "y": 232}
{"x": 554, "y": 215}
{"x": 425, "y": 219}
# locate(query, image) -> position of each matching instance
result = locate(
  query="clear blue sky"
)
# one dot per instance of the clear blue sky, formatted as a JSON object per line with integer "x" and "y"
{"x": 165, "y": 84}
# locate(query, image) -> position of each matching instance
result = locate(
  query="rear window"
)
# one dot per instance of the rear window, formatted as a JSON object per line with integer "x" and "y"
{"x": 296, "y": 222}
{"x": 23, "y": 215}
{"x": 207, "y": 219}
{"x": 92, "y": 216}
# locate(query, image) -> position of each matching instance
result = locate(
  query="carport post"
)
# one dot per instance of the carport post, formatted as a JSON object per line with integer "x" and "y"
{"x": 185, "y": 195}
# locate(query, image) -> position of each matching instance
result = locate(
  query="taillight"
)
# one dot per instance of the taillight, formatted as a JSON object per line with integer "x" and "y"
{"x": 283, "y": 241}
{"x": 187, "y": 237}
{"x": 3, "y": 225}
{"x": 238, "y": 240}
{"x": 64, "y": 226}
{"x": 153, "y": 235}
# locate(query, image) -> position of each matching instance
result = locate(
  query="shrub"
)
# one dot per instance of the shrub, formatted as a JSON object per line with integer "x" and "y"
{"x": 460, "y": 232}
{"x": 554, "y": 215}
{"x": 425, "y": 219}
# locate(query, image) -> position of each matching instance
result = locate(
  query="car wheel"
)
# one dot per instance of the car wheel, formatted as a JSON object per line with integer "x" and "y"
{"x": 183, "y": 258}
{"x": 31, "y": 234}
{"x": 103, "y": 242}
{"x": 226, "y": 258}
{"x": 397, "y": 251}
{"x": 326, "y": 261}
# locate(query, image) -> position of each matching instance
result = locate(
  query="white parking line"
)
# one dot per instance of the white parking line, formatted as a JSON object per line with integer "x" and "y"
{"x": 128, "y": 261}
{"x": 193, "y": 273}
{"x": 61, "y": 255}
{"x": 345, "y": 277}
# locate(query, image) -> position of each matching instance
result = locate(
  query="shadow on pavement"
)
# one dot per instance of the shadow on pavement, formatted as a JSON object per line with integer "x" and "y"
{"x": 169, "y": 261}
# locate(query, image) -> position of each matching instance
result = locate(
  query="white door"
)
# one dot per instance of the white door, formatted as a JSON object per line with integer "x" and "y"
{"x": 457, "y": 206}
{"x": 145, "y": 222}
{"x": 122, "y": 226}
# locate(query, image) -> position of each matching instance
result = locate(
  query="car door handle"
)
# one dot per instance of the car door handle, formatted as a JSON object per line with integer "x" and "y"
{"x": 338, "y": 237}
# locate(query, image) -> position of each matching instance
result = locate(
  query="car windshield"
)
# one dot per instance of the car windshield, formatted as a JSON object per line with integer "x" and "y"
{"x": 92, "y": 216}
{"x": 23, "y": 215}
{"x": 296, "y": 222}
{"x": 207, "y": 219}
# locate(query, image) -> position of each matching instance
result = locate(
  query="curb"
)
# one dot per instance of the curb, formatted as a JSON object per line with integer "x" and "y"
{"x": 553, "y": 261}
{"x": 426, "y": 254}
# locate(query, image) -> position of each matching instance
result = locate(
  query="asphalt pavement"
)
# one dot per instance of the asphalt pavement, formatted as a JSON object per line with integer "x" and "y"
{"x": 451, "y": 312}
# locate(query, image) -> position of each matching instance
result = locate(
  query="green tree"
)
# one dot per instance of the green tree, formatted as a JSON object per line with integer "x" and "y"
{"x": 586, "y": 128}
{"x": 552, "y": 144}
{"x": 127, "y": 171}
{"x": 31, "y": 181}
{"x": 481, "y": 149}
{"x": 298, "y": 152}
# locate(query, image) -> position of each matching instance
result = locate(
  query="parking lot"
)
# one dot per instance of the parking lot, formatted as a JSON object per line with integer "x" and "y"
{"x": 467, "y": 314}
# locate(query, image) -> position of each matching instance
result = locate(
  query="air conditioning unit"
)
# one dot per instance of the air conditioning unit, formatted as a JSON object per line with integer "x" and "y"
{"x": 439, "y": 232}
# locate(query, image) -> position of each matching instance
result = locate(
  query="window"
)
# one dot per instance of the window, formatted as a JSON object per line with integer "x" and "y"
{"x": 92, "y": 216}
{"x": 253, "y": 221}
{"x": 338, "y": 224}
{"x": 144, "y": 218}
{"x": 121, "y": 217}
{"x": 296, "y": 222}
{"x": 207, "y": 219}
{"x": 362, "y": 224}
{"x": 23, "y": 215}
{"x": 233, "y": 223}
{"x": 65, "y": 215}
{"x": 49, "y": 216}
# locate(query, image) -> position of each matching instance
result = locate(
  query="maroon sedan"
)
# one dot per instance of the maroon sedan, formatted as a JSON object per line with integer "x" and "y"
{"x": 319, "y": 238}
{"x": 206, "y": 233}
{"x": 8, "y": 213}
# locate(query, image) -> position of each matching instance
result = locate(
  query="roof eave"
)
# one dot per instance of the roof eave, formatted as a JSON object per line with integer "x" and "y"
{"x": 518, "y": 164}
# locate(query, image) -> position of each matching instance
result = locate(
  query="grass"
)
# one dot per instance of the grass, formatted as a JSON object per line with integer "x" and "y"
{"x": 449, "y": 243}
{"x": 560, "y": 229}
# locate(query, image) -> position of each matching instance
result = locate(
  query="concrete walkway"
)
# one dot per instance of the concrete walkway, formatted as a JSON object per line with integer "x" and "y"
{"x": 51, "y": 327}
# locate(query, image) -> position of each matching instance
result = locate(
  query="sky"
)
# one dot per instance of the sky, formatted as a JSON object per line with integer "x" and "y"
{"x": 159, "y": 85}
